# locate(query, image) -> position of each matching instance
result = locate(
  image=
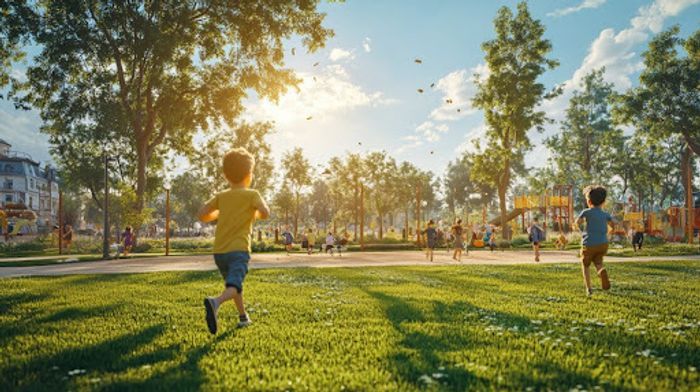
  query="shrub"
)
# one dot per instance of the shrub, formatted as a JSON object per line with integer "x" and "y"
{"x": 503, "y": 244}
{"x": 520, "y": 240}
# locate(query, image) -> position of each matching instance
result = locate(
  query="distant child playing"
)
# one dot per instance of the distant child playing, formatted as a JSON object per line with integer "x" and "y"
{"x": 288, "y": 240}
{"x": 431, "y": 239}
{"x": 536, "y": 237}
{"x": 234, "y": 209}
{"x": 594, "y": 244}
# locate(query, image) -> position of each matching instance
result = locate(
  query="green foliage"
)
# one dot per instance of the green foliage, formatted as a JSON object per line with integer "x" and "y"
{"x": 464, "y": 327}
{"x": 510, "y": 95}
{"x": 139, "y": 79}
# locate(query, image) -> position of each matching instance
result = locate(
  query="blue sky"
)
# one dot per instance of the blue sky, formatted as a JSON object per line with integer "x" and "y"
{"x": 365, "y": 86}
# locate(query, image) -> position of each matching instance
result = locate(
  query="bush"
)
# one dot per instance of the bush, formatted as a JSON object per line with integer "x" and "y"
{"x": 503, "y": 244}
{"x": 38, "y": 244}
{"x": 520, "y": 241}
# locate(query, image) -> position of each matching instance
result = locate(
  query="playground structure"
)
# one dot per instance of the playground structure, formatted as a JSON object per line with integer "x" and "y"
{"x": 556, "y": 210}
{"x": 555, "y": 207}
{"x": 16, "y": 219}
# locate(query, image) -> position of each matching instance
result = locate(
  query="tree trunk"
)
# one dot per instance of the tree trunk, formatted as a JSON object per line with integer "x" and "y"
{"x": 355, "y": 210}
{"x": 381, "y": 225}
{"x": 296, "y": 213}
{"x": 502, "y": 189}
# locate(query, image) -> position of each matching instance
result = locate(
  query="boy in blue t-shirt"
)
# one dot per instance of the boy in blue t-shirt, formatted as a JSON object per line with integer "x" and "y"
{"x": 594, "y": 245}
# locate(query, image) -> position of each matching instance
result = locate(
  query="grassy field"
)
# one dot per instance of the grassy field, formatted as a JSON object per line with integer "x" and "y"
{"x": 526, "y": 327}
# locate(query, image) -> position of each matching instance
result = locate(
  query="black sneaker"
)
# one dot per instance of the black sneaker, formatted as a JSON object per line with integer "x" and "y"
{"x": 211, "y": 315}
{"x": 589, "y": 292}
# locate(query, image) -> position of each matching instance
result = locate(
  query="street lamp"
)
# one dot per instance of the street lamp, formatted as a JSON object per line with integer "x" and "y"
{"x": 166, "y": 186}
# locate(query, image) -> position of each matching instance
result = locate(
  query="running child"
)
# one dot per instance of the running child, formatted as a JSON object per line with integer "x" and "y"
{"x": 310, "y": 241}
{"x": 594, "y": 245}
{"x": 431, "y": 239}
{"x": 330, "y": 243}
{"x": 288, "y": 240}
{"x": 235, "y": 210}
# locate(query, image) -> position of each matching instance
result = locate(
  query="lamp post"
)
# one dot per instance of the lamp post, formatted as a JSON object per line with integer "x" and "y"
{"x": 362, "y": 216}
{"x": 105, "y": 211}
{"x": 166, "y": 186}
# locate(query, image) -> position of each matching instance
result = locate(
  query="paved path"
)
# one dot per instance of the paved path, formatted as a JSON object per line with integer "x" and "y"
{"x": 280, "y": 260}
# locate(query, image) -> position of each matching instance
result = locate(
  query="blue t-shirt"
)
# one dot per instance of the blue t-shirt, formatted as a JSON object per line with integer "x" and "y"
{"x": 596, "y": 232}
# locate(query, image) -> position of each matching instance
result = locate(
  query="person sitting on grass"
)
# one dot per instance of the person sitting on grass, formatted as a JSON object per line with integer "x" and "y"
{"x": 594, "y": 244}
{"x": 234, "y": 209}
{"x": 431, "y": 239}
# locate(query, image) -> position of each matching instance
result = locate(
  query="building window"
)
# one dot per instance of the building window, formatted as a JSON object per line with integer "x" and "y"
{"x": 31, "y": 183}
{"x": 8, "y": 184}
{"x": 8, "y": 168}
{"x": 31, "y": 202}
{"x": 8, "y": 198}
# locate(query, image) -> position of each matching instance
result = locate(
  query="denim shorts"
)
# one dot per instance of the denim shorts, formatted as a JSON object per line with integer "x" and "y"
{"x": 233, "y": 267}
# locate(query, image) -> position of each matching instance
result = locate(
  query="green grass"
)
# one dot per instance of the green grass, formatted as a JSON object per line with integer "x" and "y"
{"x": 407, "y": 328}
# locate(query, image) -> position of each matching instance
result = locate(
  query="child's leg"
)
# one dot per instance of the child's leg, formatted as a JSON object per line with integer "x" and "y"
{"x": 586, "y": 275}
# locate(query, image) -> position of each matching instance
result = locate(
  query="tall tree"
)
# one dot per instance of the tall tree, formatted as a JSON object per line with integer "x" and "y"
{"x": 585, "y": 151}
{"x": 161, "y": 70}
{"x": 252, "y": 137}
{"x": 297, "y": 171}
{"x": 283, "y": 202}
{"x": 189, "y": 192}
{"x": 511, "y": 93}
{"x": 381, "y": 172}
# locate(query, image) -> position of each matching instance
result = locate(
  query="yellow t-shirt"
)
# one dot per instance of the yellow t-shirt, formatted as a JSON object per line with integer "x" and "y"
{"x": 237, "y": 209}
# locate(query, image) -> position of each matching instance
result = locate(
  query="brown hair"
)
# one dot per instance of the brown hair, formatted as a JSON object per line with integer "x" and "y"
{"x": 237, "y": 164}
{"x": 596, "y": 194}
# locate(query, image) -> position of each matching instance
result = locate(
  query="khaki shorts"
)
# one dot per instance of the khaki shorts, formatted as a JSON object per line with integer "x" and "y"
{"x": 593, "y": 254}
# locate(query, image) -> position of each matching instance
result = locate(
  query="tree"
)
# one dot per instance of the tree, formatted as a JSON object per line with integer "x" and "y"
{"x": 585, "y": 151}
{"x": 381, "y": 172}
{"x": 510, "y": 94}
{"x": 189, "y": 192}
{"x": 283, "y": 202}
{"x": 153, "y": 73}
{"x": 252, "y": 137}
{"x": 667, "y": 100}
{"x": 297, "y": 171}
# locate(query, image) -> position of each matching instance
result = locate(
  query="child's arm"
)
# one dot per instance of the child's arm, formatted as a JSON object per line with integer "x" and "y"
{"x": 208, "y": 213}
{"x": 262, "y": 211}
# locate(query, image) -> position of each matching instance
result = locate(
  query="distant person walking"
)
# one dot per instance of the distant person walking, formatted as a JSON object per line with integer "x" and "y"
{"x": 310, "y": 241}
{"x": 330, "y": 243}
{"x": 288, "y": 240}
{"x": 431, "y": 239}
{"x": 536, "y": 236}
{"x": 458, "y": 234}
{"x": 128, "y": 238}
{"x": 637, "y": 239}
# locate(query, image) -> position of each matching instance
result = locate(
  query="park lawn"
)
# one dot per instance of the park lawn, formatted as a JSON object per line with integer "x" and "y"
{"x": 400, "y": 328}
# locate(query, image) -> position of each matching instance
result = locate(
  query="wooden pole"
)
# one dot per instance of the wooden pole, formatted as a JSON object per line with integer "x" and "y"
{"x": 167, "y": 222}
{"x": 362, "y": 217}
{"x": 418, "y": 215}
{"x": 105, "y": 212}
{"x": 60, "y": 222}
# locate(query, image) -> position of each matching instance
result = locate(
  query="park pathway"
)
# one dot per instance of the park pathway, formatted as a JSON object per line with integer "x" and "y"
{"x": 296, "y": 260}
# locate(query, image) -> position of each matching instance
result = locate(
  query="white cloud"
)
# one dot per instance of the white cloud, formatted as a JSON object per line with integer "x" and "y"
{"x": 477, "y": 132}
{"x": 585, "y": 4}
{"x": 320, "y": 97}
{"x": 366, "y": 44}
{"x": 338, "y": 54}
{"x": 430, "y": 131}
{"x": 459, "y": 87}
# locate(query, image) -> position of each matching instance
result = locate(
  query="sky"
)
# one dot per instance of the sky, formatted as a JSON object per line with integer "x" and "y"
{"x": 359, "y": 93}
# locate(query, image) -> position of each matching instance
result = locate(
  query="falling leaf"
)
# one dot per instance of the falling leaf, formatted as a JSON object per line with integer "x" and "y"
{"x": 432, "y": 85}
{"x": 316, "y": 64}
{"x": 448, "y": 100}
{"x": 432, "y": 152}
{"x": 309, "y": 118}
{"x": 359, "y": 143}
{"x": 459, "y": 110}
{"x": 418, "y": 61}
{"x": 294, "y": 51}
{"x": 314, "y": 78}
{"x": 420, "y": 90}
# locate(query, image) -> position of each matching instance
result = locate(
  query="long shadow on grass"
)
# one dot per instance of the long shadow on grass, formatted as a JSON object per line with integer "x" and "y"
{"x": 183, "y": 376}
{"x": 110, "y": 356}
{"x": 420, "y": 353}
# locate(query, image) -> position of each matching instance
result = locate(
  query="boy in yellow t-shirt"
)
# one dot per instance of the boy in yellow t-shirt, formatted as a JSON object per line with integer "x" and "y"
{"x": 234, "y": 209}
